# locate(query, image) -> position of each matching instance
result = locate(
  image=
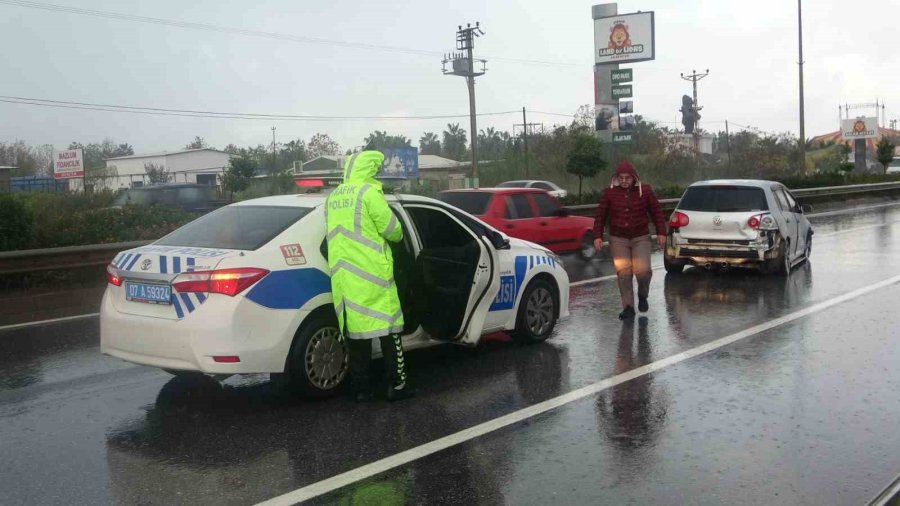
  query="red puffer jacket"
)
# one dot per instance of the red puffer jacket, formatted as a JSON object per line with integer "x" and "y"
{"x": 630, "y": 210}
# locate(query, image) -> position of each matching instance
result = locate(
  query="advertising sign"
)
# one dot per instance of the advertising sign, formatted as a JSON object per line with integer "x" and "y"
{"x": 626, "y": 123}
{"x": 400, "y": 163}
{"x": 624, "y": 38}
{"x": 859, "y": 128}
{"x": 622, "y": 91}
{"x": 623, "y": 137}
{"x": 626, "y": 107}
{"x": 68, "y": 164}
{"x": 607, "y": 117}
{"x": 618, "y": 76}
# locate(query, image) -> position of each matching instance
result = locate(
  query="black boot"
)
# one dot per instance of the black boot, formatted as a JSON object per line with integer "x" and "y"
{"x": 626, "y": 313}
{"x": 360, "y": 369}
{"x": 642, "y": 304}
{"x": 400, "y": 392}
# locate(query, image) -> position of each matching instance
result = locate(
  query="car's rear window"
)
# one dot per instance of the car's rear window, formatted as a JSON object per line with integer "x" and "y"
{"x": 471, "y": 202}
{"x": 724, "y": 199}
{"x": 513, "y": 184}
{"x": 236, "y": 227}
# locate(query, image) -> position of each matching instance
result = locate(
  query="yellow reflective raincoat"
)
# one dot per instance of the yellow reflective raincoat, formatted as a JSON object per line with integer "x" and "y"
{"x": 358, "y": 222}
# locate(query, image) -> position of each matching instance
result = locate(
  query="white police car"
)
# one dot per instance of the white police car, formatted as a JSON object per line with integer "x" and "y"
{"x": 245, "y": 289}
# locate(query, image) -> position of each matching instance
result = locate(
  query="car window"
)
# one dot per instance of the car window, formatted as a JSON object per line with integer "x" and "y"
{"x": 136, "y": 197}
{"x": 471, "y": 202}
{"x": 513, "y": 184}
{"x": 522, "y": 206}
{"x": 543, "y": 186}
{"x": 546, "y": 205}
{"x": 192, "y": 194}
{"x": 782, "y": 201}
{"x": 790, "y": 200}
{"x": 724, "y": 199}
{"x": 437, "y": 229}
{"x": 236, "y": 227}
{"x": 509, "y": 209}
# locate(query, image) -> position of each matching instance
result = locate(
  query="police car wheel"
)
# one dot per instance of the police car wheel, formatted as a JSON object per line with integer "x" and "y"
{"x": 319, "y": 360}
{"x": 537, "y": 312}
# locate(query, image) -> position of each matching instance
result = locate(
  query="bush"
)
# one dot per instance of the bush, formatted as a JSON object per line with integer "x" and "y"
{"x": 15, "y": 224}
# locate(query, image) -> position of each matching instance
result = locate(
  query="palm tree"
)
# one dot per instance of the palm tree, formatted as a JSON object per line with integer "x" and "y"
{"x": 454, "y": 145}
{"x": 429, "y": 144}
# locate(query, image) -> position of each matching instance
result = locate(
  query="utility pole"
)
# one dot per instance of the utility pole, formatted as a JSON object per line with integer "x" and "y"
{"x": 274, "y": 159}
{"x": 802, "y": 115}
{"x": 728, "y": 143}
{"x": 694, "y": 77}
{"x": 525, "y": 126}
{"x": 463, "y": 64}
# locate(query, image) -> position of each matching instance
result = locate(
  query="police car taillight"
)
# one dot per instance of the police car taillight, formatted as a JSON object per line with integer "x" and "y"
{"x": 225, "y": 281}
{"x": 112, "y": 276}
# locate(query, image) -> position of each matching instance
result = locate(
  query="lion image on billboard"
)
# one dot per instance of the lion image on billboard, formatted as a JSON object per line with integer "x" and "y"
{"x": 618, "y": 36}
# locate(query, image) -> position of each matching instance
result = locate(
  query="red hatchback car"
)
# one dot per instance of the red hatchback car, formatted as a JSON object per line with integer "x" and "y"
{"x": 527, "y": 213}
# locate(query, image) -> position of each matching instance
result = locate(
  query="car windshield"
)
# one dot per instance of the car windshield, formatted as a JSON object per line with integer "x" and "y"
{"x": 471, "y": 202}
{"x": 513, "y": 184}
{"x": 724, "y": 199}
{"x": 236, "y": 227}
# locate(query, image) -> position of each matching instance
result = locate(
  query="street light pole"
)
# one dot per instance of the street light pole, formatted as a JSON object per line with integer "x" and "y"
{"x": 802, "y": 118}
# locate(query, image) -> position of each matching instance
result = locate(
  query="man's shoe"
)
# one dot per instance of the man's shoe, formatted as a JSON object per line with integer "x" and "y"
{"x": 400, "y": 393}
{"x": 626, "y": 313}
{"x": 642, "y": 304}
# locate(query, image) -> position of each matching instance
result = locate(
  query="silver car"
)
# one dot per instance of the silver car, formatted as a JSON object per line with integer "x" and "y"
{"x": 551, "y": 187}
{"x": 738, "y": 222}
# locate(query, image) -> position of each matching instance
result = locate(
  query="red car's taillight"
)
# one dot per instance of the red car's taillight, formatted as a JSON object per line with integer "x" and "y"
{"x": 225, "y": 281}
{"x": 112, "y": 276}
{"x": 678, "y": 220}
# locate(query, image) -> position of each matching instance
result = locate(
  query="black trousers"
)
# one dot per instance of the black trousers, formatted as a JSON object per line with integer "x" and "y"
{"x": 361, "y": 362}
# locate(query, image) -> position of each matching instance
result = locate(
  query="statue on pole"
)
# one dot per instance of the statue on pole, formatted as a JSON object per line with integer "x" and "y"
{"x": 689, "y": 115}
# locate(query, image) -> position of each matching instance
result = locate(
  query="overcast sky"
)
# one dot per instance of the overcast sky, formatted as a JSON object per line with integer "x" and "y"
{"x": 750, "y": 47}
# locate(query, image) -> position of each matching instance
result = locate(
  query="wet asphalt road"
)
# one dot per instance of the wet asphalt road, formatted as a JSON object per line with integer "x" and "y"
{"x": 804, "y": 413}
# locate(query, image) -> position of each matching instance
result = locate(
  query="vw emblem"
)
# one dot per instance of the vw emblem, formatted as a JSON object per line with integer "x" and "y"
{"x": 146, "y": 264}
{"x": 717, "y": 221}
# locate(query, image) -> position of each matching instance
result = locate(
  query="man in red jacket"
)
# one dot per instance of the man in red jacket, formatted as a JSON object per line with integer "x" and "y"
{"x": 629, "y": 205}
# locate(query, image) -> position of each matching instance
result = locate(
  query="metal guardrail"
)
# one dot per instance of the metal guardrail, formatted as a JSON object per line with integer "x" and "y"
{"x": 801, "y": 194}
{"x": 99, "y": 254}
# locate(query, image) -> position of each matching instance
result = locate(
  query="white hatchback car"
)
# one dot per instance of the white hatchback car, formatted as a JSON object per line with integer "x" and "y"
{"x": 550, "y": 187}
{"x": 245, "y": 289}
{"x": 738, "y": 222}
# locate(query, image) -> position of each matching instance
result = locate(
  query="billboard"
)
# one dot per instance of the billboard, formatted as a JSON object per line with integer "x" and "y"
{"x": 859, "y": 128}
{"x": 400, "y": 163}
{"x": 68, "y": 164}
{"x": 624, "y": 38}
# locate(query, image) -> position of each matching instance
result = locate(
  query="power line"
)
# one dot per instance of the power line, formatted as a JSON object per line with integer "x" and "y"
{"x": 64, "y": 104}
{"x": 259, "y": 33}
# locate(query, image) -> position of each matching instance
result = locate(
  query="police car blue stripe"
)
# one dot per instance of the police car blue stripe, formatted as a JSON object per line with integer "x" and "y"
{"x": 190, "y": 264}
{"x": 200, "y": 298}
{"x": 132, "y": 262}
{"x": 176, "y": 265}
{"x": 163, "y": 265}
{"x": 530, "y": 262}
{"x": 187, "y": 302}
{"x": 123, "y": 260}
{"x": 178, "y": 311}
{"x": 290, "y": 288}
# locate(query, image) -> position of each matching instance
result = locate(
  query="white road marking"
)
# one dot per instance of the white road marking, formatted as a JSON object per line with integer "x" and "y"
{"x": 405, "y": 457}
{"x": 47, "y": 322}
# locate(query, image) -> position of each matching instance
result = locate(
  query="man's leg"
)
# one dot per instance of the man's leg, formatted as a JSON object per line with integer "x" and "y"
{"x": 640, "y": 264}
{"x": 395, "y": 367}
{"x": 360, "y": 368}
{"x": 620, "y": 249}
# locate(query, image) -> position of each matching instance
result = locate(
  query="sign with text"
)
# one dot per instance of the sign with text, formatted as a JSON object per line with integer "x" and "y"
{"x": 624, "y": 38}
{"x": 623, "y": 137}
{"x": 68, "y": 164}
{"x": 621, "y": 91}
{"x": 859, "y": 128}
{"x": 400, "y": 163}
{"x": 618, "y": 76}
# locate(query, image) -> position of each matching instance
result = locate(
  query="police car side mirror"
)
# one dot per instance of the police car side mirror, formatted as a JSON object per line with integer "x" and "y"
{"x": 498, "y": 239}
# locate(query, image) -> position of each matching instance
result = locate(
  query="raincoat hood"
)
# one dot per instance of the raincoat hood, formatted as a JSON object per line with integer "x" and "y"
{"x": 626, "y": 168}
{"x": 362, "y": 168}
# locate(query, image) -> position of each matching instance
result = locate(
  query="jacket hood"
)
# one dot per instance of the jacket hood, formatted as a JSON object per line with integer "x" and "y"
{"x": 362, "y": 167}
{"x": 626, "y": 168}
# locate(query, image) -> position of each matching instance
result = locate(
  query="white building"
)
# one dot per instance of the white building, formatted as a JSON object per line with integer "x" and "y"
{"x": 185, "y": 166}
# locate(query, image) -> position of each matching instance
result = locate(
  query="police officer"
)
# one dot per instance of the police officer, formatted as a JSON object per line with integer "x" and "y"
{"x": 359, "y": 224}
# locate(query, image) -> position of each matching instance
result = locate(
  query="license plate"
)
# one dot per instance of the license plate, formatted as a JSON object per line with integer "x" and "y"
{"x": 149, "y": 293}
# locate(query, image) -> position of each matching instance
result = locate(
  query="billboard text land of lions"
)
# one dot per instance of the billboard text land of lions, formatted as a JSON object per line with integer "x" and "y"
{"x": 624, "y": 38}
